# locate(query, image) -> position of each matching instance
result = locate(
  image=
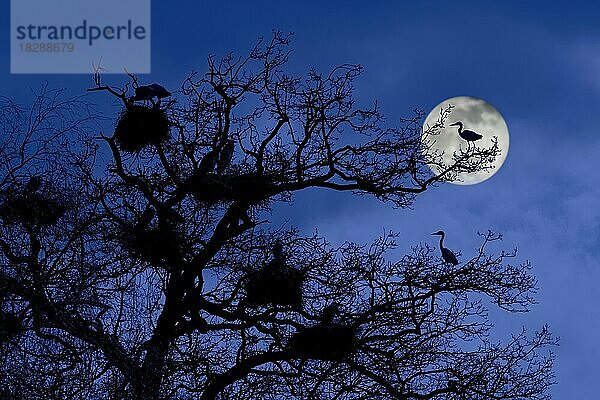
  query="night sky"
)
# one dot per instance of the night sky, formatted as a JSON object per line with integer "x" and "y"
{"x": 538, "y": 63}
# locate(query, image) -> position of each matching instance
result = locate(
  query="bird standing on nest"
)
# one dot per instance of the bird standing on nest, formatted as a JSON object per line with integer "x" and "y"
{"x": 329, "y": 314}
{"x": 33, "y": 185}
{"x": 226, "y": 156}
{"x": 278, "y": 252}
{"x": 149, "y": 92}
{"x": 209, "y": 162}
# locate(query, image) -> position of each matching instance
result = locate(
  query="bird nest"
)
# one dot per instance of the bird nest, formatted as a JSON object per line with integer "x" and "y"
{"x": 141, "y": 126}
{"x": 250, "y": 188}
{"x": 275, "y": 285}
{"x": 209, "y": 188}
{"x": 30, "y": 204}
{"x": 10, "y": 326}
{"x": 327, "y": 342}
{"x": 158, "y": 245}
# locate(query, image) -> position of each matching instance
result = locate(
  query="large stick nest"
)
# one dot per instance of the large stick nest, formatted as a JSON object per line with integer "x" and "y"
{"x": 327, "y": 342}
{"x": 34, "y": 203}
{"x": 275, "y": 285}
{"x": 141, "y": 126}
{"x": 10, "y": 326}
{"x": 249, "y": 188}
{"x": 159, "y": 245}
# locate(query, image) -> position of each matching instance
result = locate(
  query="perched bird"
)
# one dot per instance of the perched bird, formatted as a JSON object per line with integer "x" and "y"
{"x": 466, "y": 134}
{"x": 329, "y": 313}
{"x": 279, "y": 258}
{"x": 34, "y": 184}
{"x": 226, "y": 156}
{"x": 278, "y": 252}
{"x": 149, "y": 92}
{"x": 208, "y": 163}
{"x": 159, "y": 91}
{"x": 447, "y": 254}
{"x": 143, "y": 93}
{"x": 146, "y": 218}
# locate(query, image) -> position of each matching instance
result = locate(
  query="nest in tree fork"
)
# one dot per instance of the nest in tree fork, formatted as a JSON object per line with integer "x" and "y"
{"x": 158, "y": 245}
{"x": 275, "y": 285}
{"x": 141, "y": 126}
{"x": 326, "y": 342}
{"x": 10, "y": 326}
{"x": 35, "y": 204}
{"x": 250, "y": 188}
{"x": 209, "y": 188}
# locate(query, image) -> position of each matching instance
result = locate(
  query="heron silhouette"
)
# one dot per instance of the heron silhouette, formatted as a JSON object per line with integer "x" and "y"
{"x": 469, "y": 136}
{"x": 159, "y": 91}
{"x": 278, "y": 252}
{"x": 447, "y": 254}
{"x": 225, "y": 156}
{"x": 329, "y": 314}
{"x": 148, "y": 92}
{"x": 34, "y": 184}
{"x": 208, "y": 162}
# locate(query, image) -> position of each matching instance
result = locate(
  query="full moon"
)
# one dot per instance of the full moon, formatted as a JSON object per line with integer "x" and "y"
{"x": 476, "y": 115}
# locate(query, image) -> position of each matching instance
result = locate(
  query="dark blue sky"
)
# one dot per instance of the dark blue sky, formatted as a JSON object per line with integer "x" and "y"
{"x": 538, "y": 63}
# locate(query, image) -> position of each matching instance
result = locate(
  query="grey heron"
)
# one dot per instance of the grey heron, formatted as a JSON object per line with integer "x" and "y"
{"x": 226, "y": 156}
{"x": 447, "y": 254}
{"x": 330, "y": 313}
{"x": 149, "y": 92}
{"x": 143, "y": 93}
{"x": 469, "y": 136}
{"x": 208, "y": 163}
{"x": 278, "y": 252}
{"x": 159, "y": 91}
{"x": 34, "y": 184}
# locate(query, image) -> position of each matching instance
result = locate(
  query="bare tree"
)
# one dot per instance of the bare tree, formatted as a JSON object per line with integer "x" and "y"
{"x": 140, "y": 265}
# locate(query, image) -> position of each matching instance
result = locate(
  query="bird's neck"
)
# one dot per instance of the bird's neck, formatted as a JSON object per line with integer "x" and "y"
{"x": 460, "y": 128}
{"x": 441, "y": 241}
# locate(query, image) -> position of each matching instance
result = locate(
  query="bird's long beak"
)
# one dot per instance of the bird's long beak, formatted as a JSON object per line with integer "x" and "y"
{"x": 434, "y": 234}
{"x": 454, "y": 124}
